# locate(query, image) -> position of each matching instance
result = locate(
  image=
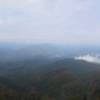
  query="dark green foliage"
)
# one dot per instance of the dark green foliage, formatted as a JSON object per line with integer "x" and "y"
{"x": 62, "y": 80}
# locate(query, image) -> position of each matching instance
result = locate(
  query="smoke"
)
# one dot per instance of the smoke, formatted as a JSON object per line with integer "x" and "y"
{"x": 89, "y": 58}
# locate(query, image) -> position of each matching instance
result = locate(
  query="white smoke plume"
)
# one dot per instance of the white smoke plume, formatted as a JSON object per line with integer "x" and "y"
{"x": 89, "y": 58}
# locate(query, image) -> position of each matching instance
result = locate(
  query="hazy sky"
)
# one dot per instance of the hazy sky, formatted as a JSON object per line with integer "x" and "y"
{"x": 66, "y": 21}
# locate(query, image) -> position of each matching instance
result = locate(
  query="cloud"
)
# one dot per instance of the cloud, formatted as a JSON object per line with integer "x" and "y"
{"x": 72, "y": 20}
{"x": 89, "y": 58}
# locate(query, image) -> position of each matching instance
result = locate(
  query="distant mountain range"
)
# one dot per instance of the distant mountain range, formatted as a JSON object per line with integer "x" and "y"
{"x": 42, "y": 72}
{"x": 22, "y": 51}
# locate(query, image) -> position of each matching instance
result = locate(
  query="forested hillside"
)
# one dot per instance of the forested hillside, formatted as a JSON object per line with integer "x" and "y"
{"x": 65, "y": 79}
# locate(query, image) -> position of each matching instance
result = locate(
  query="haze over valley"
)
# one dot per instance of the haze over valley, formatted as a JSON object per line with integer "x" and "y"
{"x": 49, "y": 72}
{"x": 49, "y": 49}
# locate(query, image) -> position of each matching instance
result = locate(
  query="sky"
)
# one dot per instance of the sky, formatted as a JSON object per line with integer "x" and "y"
{"x": 56, "y": 21}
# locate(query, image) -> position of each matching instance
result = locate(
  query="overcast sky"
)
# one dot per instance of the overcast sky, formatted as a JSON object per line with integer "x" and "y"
{"x": 59, "y": 21}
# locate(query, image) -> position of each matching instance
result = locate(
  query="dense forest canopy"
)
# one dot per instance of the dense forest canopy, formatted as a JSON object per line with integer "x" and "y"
{"x": 47, "y": 72}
